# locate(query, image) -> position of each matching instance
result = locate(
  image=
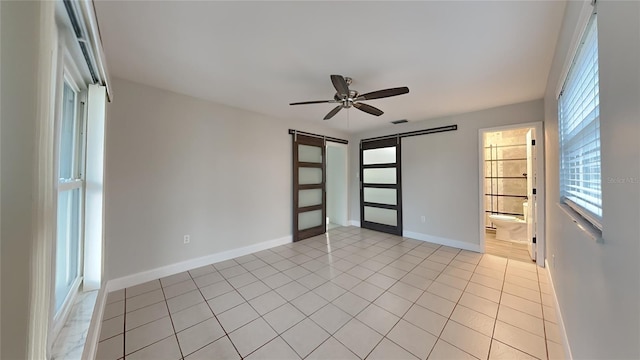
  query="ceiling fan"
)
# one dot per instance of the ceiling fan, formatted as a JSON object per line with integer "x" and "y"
{"x": 347, "y": 98}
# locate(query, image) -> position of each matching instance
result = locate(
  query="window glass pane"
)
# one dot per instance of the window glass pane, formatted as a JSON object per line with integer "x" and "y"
{"x": 381, "y": 216}
{"x": 379, "y": 156}
{"x": 308, "y": 153}
{"x": 67, "y": 244}
{"x": 309, "y": 197}
{"x": 68, "y": 134}
{"x": 579, "y": 127}
{"x": 307, "y": 175}
{"x": 380, "y": 196}
{"x": 309, "y": 219}
{"x": 380, "y": 176}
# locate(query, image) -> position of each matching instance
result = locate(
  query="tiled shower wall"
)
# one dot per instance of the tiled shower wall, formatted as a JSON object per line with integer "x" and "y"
{"x": 507, "y": 162}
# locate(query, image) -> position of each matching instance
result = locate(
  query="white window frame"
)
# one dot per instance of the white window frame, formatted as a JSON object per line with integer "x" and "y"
{"x": 585, "y": 219}
{"x": 70, "y": 75}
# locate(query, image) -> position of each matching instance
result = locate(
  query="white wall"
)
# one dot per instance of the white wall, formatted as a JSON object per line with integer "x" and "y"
{"x": 18, "y": 130}
{"x": 177, "y": 165}
{"x": 598, "y": 284}
{"x": 440, "y": 172}
{"x": 336, "y": 184}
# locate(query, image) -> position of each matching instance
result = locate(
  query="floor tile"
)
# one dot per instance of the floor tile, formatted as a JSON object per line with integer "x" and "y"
{"x": 425, "y": 319}
{"x": 112, "y": 327}
{"x": 479, "y": 304}
{"x": 466, "y": 339}
{"x": 378, "y": 319}
{"x": 412, "y": 338}
{"x": 296, "y": 272}
{"x": 284, "y": 317}
{"x": 555, "y": 351}
{"x": 331, "y": 349}
{"x": 267, "y": 302}
{"x": 552, "y": 332}
{"x": 483, "y": 292}
{"x": 110, "y": 349}
{"x": 215, "y": 290}
{"x": 199, "y": 335}
{"x": 474, "y": 320}
{"x": 221, "y": 349}
{"x": 520, "y": 339}
{"x": 203, "y": 270}
{"x": 184, "y": 301}
{"x": 416, "y": 281}
{"x": 388, "y": 350}
{"x": 146, "y": 299}
{"x": 309, "y": 303}
{"x": 276, "y": 280}
{"x": 351, "y": 303}
{"x": 436, "y": 304}
{"x": 393, "y": 303}
{"x": 276, "y": 349}
{"x": 521, "y": 304}
{"x": 367, "y": 291}
{"x": 232, "y": 271}
{"x": 500, "y": 351}
{"x": 358, "y": 337}
{"x": 114, "y": 296}
{"x": 164, "y": 349}
{"x": 112, "y": 310}
{"x": 445, "y": 291}
{"x": 253, "y": 290}
{"x": 331, "y": 318}
{"x": 291, "y": 290}
{"x": 531, "y": 295}
{"x": 406, "y": 291}
{"x": 304, "y": 337}
{"x": 329, "y": 291}
{"x": 346, "y": 281}
{"x": 190, "y": 316}
{"x": 242, "y": 280}
{"x": 147, "y": 334}
{"x": 174, "y": 279}
{"x": 142, "y": 288}
{"x": 225, "y": 302}
{"x": 179, "y": 288}
{"x": 237, "y": 317}
{"x": 445, "y": 351}
{"x": 252, "y": 336}
{"x": 208, "y": 279}
{"x": 522, "y": 320}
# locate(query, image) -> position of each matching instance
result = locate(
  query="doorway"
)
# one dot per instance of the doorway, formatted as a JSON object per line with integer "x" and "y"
{"x": 511, "y": 184}
{"x": 337, "y": 199}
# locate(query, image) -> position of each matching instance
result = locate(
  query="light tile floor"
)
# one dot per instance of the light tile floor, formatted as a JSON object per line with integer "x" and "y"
{"x": 352, "y": 294}
{"x": 507, "y": 249}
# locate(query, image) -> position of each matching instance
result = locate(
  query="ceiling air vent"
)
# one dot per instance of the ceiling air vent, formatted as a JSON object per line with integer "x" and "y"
{"x": 396, "y": 122}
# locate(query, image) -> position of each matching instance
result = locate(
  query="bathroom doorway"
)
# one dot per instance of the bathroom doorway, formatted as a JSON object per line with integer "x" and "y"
{"x": 512, "y": 192}
{"x": 337, "y": 186}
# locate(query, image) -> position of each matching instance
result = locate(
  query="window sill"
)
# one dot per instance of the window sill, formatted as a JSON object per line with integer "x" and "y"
{"x": 582, "y": 224}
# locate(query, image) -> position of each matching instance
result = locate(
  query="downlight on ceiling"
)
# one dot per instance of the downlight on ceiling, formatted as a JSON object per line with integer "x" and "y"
{"x": 396, "y": 122}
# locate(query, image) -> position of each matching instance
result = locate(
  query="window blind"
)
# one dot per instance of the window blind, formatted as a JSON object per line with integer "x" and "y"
{"x": 579, "y": 126}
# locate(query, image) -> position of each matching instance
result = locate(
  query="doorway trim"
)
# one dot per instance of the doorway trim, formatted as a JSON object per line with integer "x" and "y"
{"x": 540, "y": 185}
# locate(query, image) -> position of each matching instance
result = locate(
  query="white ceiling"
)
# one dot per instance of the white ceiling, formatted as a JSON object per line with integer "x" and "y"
{"x": 454, "y": 56}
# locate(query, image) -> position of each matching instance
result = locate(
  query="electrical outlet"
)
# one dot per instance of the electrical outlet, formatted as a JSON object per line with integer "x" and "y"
{"x": 423, "y": 219}
{"x": 187, "y": 239}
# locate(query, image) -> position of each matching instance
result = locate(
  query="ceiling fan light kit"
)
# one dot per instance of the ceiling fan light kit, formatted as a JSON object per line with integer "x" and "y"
{"x": 347, "y": 98}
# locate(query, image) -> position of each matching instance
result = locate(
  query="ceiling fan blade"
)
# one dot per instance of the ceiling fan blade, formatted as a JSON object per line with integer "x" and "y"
{"x": 313, "y": 102}
{"x": 368, "y": 109}
{"x": 332, "y": 112}
{"x": 340, "y": 84}
{"x": 384, "y": 93}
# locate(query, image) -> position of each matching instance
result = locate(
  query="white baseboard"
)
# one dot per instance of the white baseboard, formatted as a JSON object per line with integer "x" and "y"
{"x": 354, "y": 223}
{"x": 442, "y": 241}
{"x": 157, "y": 273}
{"x": 93, "y": 334}
{"x": 563, "y": 331}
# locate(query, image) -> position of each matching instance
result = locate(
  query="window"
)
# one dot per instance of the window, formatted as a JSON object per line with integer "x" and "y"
{"x": 70, "y": 196}
{"x": 579, "y": 128}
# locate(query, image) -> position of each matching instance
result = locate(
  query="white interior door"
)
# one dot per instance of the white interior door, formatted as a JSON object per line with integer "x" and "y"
{"x": 531, "y": 194}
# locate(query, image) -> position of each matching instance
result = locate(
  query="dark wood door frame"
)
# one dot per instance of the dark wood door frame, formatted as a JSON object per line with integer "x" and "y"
{"x": 367, "y": 145}
{"x": 299, "y": 139}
